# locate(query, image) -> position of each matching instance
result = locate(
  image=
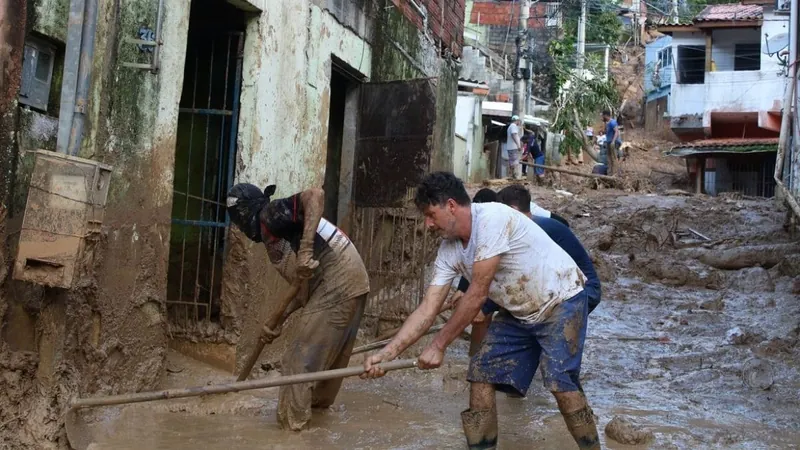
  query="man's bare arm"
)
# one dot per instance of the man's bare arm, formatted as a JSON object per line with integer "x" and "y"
{"x": 313, "y": 201}
{"x": 470, "y": 304}
{"x": 417, "y": 323}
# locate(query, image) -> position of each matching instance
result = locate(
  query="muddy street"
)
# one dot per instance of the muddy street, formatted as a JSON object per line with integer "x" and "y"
{"x": 692, "y": 355}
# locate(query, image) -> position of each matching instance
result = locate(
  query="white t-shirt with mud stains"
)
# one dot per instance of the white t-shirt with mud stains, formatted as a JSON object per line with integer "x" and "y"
{"x": 534, "y": 274}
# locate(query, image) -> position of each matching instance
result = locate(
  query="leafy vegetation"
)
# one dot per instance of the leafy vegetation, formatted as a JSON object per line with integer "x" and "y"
{"x": 579, "y": 99}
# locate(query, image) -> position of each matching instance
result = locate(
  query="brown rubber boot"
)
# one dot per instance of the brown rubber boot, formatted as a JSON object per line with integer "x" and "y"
{"x": 583, "y": 429}
{"x": 480, "y": 428}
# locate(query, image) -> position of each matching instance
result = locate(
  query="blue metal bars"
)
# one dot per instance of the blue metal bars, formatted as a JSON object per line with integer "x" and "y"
{"x": 204, "y": 168}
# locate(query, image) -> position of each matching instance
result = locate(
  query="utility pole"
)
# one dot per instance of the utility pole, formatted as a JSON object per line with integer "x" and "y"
{"x": 518, "y": 105}
{"x": 581, "y": 38}
{"x": 674, "y": 11}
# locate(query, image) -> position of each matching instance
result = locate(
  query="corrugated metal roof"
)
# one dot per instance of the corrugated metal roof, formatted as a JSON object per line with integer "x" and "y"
{"x": 725, "y": 146}
{"x": 738, "y": 12}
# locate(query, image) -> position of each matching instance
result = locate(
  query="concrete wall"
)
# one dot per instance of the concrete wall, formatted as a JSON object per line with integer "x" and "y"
{"x": 686, "y": 99}
{"x": 470, "y": 162}
{"x": 723, "y": 47}
{"x": 108, "y": 335}
{"x": 743, "y": 91}
{"x": 13, "y": 15}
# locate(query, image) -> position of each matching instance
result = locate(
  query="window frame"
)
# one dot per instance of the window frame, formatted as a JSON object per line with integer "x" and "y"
{"x": 738, "y": 59}
{"x": 35, "y": 92}
{"x": 681, "y": 72}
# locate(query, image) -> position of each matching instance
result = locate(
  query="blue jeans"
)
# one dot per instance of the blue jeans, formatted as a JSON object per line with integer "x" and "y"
{"x": 539, "y": 160}
{"x": 512, "y": 350}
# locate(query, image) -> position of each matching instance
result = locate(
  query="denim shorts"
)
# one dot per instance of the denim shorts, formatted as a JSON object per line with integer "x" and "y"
{"x": 512, "y": 350}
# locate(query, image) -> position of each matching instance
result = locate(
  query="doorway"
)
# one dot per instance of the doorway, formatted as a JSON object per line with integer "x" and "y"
{"x": 205, "y": 152}
{"x": 344, "y": 87}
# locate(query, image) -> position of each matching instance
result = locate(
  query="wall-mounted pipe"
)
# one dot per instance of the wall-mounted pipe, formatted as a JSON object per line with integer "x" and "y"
{"x": 84, "y": 77}
{"x": 69, "y": 80}
{"x": 157, "y": 49}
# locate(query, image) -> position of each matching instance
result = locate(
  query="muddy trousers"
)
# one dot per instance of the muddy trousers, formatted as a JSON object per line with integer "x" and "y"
{"x": 324, "y": 342}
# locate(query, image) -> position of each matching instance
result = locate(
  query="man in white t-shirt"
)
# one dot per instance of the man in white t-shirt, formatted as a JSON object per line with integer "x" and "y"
{"x": 514, "y": 147}
{"x": 539, "y": 288}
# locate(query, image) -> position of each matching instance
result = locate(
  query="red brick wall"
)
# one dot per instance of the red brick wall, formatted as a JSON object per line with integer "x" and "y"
{"x": 445, "y": 20}
{"x": 505, "y": 13}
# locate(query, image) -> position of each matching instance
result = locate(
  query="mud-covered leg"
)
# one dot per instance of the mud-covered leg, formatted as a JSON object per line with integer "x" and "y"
{"x": 562, "y": 340}
{"x": 325, "y": 392}
{"x": 579, "y": 418}
{"x": 480, "y": 420}
{"x": 322, "y": 335}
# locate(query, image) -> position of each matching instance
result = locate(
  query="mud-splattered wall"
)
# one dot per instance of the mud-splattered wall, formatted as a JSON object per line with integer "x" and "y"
{"x": 403, "y": 52}
{"x": 107, "y": 335}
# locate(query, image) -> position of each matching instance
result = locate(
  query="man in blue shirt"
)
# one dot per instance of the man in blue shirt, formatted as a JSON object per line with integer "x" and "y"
{"x": 613, "y": 141}
{"x": 518, "y": 197}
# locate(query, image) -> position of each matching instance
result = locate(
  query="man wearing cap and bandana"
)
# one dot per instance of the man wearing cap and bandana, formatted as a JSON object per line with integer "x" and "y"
{"x": 303, "y": 245}
{"x": 514, "y": 147}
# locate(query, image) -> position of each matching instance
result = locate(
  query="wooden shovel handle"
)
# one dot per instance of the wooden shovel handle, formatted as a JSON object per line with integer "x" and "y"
{"x": 271, "y": 325}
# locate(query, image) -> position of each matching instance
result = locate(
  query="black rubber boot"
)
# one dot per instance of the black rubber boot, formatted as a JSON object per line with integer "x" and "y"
{"x": 583, "y": 429}
{"x": 480, "y": 428}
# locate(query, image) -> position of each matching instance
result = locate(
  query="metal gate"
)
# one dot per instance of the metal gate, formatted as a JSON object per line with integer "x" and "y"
{"x": 397, "y": 251}
{"x": 204, "y": 171}
{"x": 393, "y": 153}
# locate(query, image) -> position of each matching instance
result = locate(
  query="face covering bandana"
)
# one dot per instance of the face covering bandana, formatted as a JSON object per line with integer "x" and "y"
{"x": 245, "y": 202}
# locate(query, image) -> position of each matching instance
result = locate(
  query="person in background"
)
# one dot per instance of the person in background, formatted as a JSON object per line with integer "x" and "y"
{"x": 487, "y": 195}
{"x": 526, "y": 156}
{"x": 537, "y": 155}
{"x": 518, "y": 197}
{"x": 613, "y": 142}
{"x": 514, "y": 147}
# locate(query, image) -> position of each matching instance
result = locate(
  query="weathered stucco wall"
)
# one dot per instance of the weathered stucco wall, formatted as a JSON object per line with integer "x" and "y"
{"x": 107, "y": 335}
{"x": 13, "y": 369}
{"x": 403, "y": 52}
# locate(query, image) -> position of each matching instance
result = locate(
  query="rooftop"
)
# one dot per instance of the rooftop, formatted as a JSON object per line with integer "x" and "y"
{"x": 730, "y": 12}
{"x": 725, "y": 146}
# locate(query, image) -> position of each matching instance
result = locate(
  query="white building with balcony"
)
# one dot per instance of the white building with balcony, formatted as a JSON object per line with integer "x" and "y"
{"x": 727, "y": 71}
{"x": 726, "y": 75}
